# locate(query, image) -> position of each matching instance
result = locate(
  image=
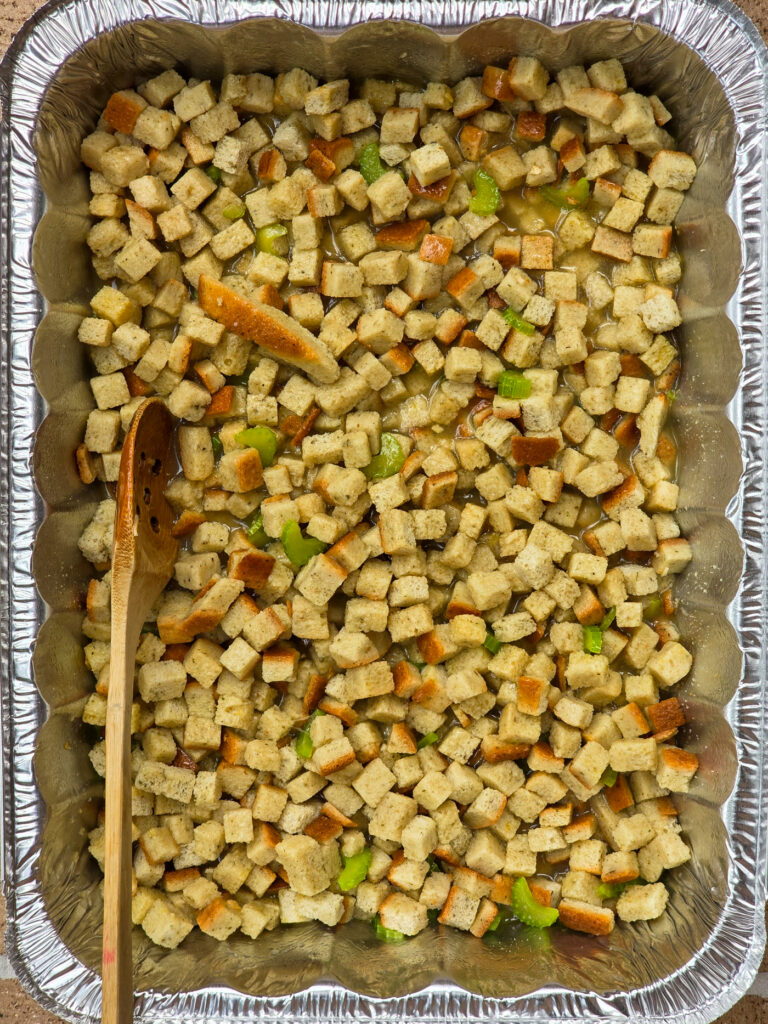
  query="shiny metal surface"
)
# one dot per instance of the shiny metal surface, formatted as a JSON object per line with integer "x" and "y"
{"x": 711, "y": 69}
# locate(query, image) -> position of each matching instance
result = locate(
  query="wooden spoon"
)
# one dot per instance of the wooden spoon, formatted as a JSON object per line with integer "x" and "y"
{"x": 143, "y": 556}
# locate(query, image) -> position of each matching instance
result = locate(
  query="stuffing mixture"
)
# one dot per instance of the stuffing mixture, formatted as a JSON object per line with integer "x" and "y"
{"x": 418, "y": 660}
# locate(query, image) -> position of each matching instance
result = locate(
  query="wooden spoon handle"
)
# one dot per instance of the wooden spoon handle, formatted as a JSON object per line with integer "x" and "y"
{"x": 117, "y": 964}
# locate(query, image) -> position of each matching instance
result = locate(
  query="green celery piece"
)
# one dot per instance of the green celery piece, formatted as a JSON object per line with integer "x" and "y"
{"x": 608, "y": 618}
{"x": 610, "y": 890}
{"x": 492, "y": 644}
{"x": 569, "y": 197}
{"x": 652, "y": 608}
{"x": 268, "y": 235}
{"x": 213, "y": 173}
{"x": 515, "y": 320}
{"x": 389, "y": 460}
{"x": 513, "y": 385}
{"x": 217, "y": 446}
{"x": 609, "y": 777}
{"x": 528, "y": 910}
{"x": 370, "y": 163}
{"x": 255, "y": 531}
{"x": 355, "y": 870}
{"x": 427, "y": 740}
{"x": 387, "y": 934}
{"x": 593, "y": 639}
{"x": 304, "y": 745}
{"x": 297, "y": 547}
{"x": 234, "y": 211}
{"x": 487, "y": 198}
{"x": 262, "y": 439}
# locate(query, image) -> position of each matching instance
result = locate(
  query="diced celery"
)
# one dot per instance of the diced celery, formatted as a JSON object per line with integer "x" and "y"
{"x": 427, "y": 740}
{"x": 569, "y": 197}
{"x": 593, "y": 639}
{"x": 514, "y": 319}
{"x": 267, "y": 236}
{"x": 370, "y": 163}
{"x": 254, "y": 531}
{"x": 513, "y": 385}
{"x": 262, "y": 439}
{"x": 529, "y": 910}
{"x": 304, "y": 745}
{"x": 608, "y": 618}
{"x": 389, "y": 460}
{"x": 487, "y": 197}
{"x": 355, "y": 870}
{"x": 297, "y": 547}
{"x": 492, "y": 644}
{"x": 234, "y": 211}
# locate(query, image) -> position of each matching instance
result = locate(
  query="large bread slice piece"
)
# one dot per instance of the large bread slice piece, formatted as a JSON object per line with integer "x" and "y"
{"x": 271, "y": 329}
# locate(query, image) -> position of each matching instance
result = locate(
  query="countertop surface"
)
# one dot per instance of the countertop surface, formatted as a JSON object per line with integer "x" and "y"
{"x": 16, "y": 1007}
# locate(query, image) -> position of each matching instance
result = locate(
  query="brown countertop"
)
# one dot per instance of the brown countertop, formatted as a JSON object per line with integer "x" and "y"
{"x": 16, "y": 1007}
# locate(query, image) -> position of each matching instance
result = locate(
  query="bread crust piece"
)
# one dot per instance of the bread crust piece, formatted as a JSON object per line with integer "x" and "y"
{"x": 269, "y": 328}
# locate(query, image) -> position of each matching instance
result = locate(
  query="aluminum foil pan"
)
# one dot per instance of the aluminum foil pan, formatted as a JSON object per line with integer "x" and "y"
{"x": 708, "y": 64}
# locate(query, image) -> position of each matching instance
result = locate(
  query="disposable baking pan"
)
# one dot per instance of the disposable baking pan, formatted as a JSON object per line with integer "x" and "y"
{"x": 706, "y": 61}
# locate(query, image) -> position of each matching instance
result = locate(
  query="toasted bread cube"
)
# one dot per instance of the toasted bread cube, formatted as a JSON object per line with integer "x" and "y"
{"x": 391, "y": 816}
{"x": 601, "y": 105}
{"x": 670, "y": 169}
{"x": 340, "y": 280}
{"x": 305, "y": 863}
{"x": 121, "y": 164}
{"x": 608, "y": 74}
{"x": 540, "y": 168}
{"x": 435, "y": 890}
{"x": 676, "y": 769}
{"x": 520, "y": 858}
{"x": 165, "y": 925}
{"x": 460, "y": 909}
{"x": 527, "y": 78}
{"x": 485, "y": 853}
{"x": 663, "y": 205}
{"x": 403, "y": 914}
{"x": 433, "y": 790}
{"x": 642, "y": 902}
{"x": 389, "y": 195}
{"x": 319, "y": 579}
{"x": 664, "y": 852}
{"x": 506, "y": 166}
{"x": 258, "y": 916}
{"x": 537, "y": 252}
{"x": 375, "y": 781}
{"x": 585, "y": 917}
{"x": 430, "y": 163}
{"x": 660, "y": 313}
{"x": 670, "y": 664}
{"x": 353, "y": 188}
